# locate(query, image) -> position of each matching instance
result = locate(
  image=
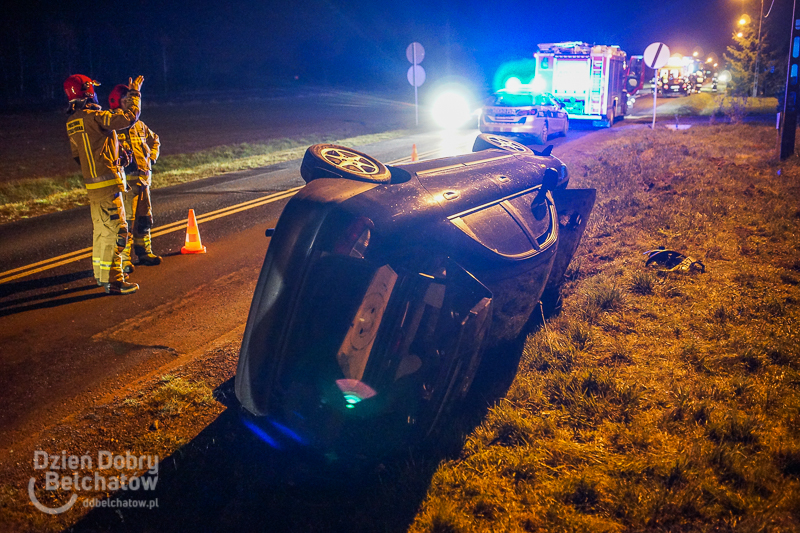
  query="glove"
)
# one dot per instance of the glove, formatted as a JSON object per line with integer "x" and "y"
{"x": 135, "y": 85}
{"x": 125, "y": 158}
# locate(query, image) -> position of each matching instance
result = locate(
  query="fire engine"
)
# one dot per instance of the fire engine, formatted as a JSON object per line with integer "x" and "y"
{"x": 589, "y": 79}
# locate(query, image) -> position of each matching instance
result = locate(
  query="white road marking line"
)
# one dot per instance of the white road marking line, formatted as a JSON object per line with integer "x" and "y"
{"x": 85, "y": 253}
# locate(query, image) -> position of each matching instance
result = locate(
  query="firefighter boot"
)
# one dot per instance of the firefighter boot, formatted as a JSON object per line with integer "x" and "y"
{"x": 145, "y": 255}
{"x": 127, "y": 265}
{"x": 121, "y": 287}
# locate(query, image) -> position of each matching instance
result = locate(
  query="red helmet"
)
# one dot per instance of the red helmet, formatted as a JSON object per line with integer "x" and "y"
{"x": 116, "y": 96}
{"x": 79, "y": 86}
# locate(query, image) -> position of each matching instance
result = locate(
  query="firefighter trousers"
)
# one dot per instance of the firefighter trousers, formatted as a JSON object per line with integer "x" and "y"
{"x": 140, "y": 219}
{"x": 110, "y": 237}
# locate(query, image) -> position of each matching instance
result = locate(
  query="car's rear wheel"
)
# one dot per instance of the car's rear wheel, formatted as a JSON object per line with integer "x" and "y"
{"x": 486, "y": 141}
{"x": 566, "y": 127}
{"x": 541, "y": 137}
{"x": 333, "y": 161}
{"x": 610, "y": 118}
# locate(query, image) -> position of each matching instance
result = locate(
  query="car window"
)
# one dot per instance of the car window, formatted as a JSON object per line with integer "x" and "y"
{"x": 541, "y": 100}
{"x": 494, "y": 228}
{"x": 535, "y": 217}
{"x": 513, "y": 100}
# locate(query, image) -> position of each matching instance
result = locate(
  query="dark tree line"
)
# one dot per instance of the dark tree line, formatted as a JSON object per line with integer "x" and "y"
{"x": 36, "y": 57}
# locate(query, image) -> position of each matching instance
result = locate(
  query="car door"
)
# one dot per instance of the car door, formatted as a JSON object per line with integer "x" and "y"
{"x": 557, "y": 113}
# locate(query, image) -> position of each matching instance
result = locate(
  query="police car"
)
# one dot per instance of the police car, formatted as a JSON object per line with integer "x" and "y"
{"x": 524, "y": 113}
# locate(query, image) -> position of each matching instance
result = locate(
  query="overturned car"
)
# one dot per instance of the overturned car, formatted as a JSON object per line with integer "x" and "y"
{"x": 383, "y": 286}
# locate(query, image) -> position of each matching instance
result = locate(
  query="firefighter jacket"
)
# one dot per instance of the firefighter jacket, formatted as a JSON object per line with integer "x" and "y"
{"x": 93, "y": 140}
{"x": 144, "y": 145}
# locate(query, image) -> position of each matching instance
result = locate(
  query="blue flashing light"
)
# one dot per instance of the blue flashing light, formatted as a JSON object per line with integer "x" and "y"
{"x": 287, "y": 432}
{"x": 513, "y": 84}
{"x": 261, "y": 434}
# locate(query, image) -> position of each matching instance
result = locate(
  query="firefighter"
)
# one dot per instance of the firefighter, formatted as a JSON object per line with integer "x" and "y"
{"x": 93, "y": 141}
{"x": 143, "y": 144}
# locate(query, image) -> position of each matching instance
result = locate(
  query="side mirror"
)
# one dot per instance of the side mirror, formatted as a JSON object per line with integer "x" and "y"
{"x": 549, "y": 182}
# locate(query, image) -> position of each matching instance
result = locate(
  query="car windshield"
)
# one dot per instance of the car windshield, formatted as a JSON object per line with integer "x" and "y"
{"x": 520, "y": 99}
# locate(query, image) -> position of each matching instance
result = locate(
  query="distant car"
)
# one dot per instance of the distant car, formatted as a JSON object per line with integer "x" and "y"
{"x": 672, "y": 83}
{"x": 524, "y": 113}
{"x": 382, "y": 286}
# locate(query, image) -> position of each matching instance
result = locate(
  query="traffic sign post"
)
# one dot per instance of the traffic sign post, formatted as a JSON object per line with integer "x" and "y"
{"x": 415, "y": 53}
{"x": 789, "y": 116}
{"x": 656, "y": 56}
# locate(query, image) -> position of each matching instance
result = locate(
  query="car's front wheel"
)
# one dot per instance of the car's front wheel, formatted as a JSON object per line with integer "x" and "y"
{"x": 541, "y": 137}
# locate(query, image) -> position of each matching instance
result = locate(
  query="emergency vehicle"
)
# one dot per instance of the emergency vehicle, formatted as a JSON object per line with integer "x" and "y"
{"x": 590, "y": 80}
{"x": 682, "y": 76}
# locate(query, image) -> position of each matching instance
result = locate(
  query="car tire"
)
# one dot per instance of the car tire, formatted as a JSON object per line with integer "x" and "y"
{"x": 334, "y": 161}
{"x": 487, "y": 141}
{"x": 566, "y": 128}
{"x": 610, "y": 119}
{"x": 541, "y": 137}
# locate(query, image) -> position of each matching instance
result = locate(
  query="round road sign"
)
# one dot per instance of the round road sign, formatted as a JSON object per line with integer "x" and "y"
{"x": 656, "y": 55}
{"x": 416, "y": 75}
{"x": 415, "y": 53}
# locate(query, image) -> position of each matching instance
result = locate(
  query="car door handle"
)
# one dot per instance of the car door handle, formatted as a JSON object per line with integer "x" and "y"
{"x": 451, "y": 195}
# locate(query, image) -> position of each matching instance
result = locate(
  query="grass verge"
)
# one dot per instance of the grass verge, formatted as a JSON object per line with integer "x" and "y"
{"x": 706, "y": 104}
{"x": 27, "y": 198}
{"x": 655, "y": 401}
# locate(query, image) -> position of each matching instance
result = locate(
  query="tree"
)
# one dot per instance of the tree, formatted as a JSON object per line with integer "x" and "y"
{"x": 742, "y": 59}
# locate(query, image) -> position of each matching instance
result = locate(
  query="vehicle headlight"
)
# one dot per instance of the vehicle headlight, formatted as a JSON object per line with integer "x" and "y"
{"x": 451, "y": 110}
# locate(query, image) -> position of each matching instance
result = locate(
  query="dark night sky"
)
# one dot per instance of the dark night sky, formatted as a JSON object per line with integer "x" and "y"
{"x": 224, "y": 45}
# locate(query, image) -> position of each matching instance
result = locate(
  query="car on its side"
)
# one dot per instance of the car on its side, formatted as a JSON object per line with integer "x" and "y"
{"x": 383, "y": 286}
{"x": 524, "y": 113}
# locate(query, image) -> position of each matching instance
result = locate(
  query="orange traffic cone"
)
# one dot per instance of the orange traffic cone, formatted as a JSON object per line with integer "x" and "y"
{"x": 193, "y": 244}
{"x": 414, "y": 156}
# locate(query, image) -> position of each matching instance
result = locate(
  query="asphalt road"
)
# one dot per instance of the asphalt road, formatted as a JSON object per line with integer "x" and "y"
{"x": 64, "y": 342}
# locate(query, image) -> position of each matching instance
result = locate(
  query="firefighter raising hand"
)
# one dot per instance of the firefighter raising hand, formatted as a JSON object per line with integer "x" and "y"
{"x": 135, "y": 85}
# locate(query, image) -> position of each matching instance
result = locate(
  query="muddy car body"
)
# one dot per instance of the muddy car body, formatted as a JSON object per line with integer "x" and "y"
{"x": 382, "y": 287}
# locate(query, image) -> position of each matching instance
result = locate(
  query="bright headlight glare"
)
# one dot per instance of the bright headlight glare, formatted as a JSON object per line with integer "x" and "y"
{"x": 451, "y": 110}
{"x": 513, "y": 84}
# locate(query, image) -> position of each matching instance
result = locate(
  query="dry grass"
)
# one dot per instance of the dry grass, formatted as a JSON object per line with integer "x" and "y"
{"x": 27, "y": 198}
{"x": 713, "y": 104}
{"x": 655, "y": 402}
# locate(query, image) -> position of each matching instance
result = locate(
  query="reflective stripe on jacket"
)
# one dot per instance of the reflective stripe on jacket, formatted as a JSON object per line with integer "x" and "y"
{"x": 93, "y": 139}
{"x": 143, "y": 142}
